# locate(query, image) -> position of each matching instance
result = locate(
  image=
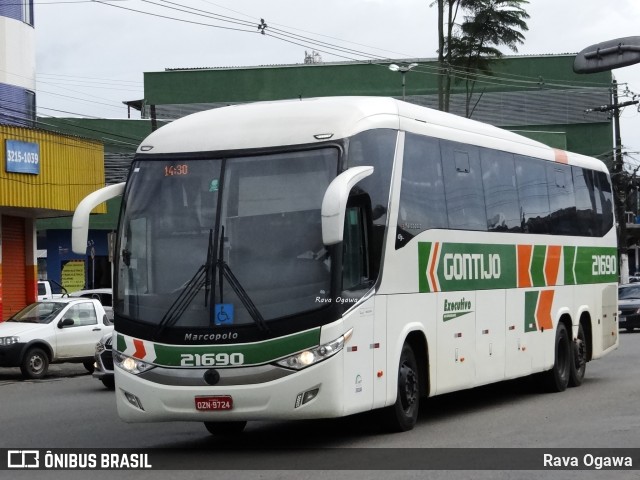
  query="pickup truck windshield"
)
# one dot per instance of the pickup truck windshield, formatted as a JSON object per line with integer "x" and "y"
{"x": 40, "y": 312}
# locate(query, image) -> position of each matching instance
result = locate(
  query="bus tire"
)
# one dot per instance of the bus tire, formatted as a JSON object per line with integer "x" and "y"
{"x": 557, "y": 379}
{"x": 578, "y": 359}
{"x": 225, "y": 428}
{"x": 403, "y": 414}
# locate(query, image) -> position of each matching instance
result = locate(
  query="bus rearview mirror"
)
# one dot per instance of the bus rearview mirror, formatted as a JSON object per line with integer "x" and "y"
{"x": 334, "y": 203}
{"x": 80, "y": 223}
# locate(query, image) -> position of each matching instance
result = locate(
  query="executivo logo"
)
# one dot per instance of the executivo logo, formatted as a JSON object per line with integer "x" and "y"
{"x": 456, "y": 309}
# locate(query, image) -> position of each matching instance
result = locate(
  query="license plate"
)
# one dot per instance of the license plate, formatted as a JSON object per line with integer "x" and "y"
{"x": 219, "y": 402}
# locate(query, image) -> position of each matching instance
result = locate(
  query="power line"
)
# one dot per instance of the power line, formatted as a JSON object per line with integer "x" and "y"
{"x": 77, "y": 77}
{"x": 325, "y": 47}
{"x": 501, "y": 80}
{"x": 172, "y": 18}
{"x": 110, "y": 138}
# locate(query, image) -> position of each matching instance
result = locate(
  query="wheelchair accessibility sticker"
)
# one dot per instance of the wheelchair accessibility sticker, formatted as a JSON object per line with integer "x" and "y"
{"x": 224, "y": 314}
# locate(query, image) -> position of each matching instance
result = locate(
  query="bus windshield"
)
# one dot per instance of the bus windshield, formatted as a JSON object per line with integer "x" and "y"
{"x": 193, "y": 230}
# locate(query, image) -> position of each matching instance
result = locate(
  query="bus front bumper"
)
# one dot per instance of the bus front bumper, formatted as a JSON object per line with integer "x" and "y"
{"x": 141, "y": 400}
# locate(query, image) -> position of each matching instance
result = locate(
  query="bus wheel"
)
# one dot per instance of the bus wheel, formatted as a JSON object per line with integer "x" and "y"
{"x": 403, "y": 415}
{"x": 225, "y": 428}
{"x": 578, "y": 359}
{"x": 557, "y": 379}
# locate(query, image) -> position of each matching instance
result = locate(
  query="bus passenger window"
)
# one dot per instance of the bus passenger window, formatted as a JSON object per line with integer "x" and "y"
{"x": 534, "y": 195}
{"x": 562, "y": 202}
{"x": 422, "y": 200}
{"x": 500, "y": 193}
{"x": 463, "y": 186}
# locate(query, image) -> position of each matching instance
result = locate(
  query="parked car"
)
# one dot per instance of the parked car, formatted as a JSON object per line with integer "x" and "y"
{"x": 53, "y": 331}
{"x": 629, "y": 306}
{"x": 103, "y": 367}
{"x": 104, "y": 295}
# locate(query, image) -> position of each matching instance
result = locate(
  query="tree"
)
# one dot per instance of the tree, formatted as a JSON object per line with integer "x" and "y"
{"x": 470, "y": 48}
{"x": 444, "y": 53}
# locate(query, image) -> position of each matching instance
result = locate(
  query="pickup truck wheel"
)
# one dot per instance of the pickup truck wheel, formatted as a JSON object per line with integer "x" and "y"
{"x": 89, "y": 366}
{"x": 108, "y": 383}
{"x": 35, "y": 363}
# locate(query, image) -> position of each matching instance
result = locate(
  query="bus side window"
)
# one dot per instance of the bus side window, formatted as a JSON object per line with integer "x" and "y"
{"x": 355, "y": 261}
{"x": 603, "y": 190}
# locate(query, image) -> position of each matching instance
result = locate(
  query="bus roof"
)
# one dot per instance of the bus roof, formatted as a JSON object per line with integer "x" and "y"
{"x": 308, "y": 121}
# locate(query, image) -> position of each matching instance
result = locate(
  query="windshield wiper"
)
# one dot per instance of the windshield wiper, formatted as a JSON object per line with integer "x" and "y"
{"x": 208, "y": 265}
{"x": 224, "y": 271}
{"x": 201, "y": 278}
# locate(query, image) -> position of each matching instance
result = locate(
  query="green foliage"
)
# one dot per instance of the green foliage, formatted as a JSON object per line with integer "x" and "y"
{"x": 470, "y": 47}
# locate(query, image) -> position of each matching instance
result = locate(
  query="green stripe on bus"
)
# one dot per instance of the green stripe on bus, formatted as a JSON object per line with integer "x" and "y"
{"x": 121, "y": 344}
{"x": 254, "y": 353}
{"x": 475, "y": 266}
{"x": 530, "y": 304}
{"x": 537, "y": 265}
{"x": 596, "y": 265}
{"x": 424, "y": 252}
{"x": 569, "y": 254}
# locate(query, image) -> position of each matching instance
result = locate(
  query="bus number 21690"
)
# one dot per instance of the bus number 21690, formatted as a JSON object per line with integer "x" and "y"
{"x": 211, "y": 359}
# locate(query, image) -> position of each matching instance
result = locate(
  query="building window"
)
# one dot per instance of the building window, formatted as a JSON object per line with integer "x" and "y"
{"x": 27, "y": 11}
{"x": 30, "y": 106}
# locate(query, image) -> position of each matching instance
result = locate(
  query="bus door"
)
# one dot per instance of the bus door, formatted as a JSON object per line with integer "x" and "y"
{"x": 356, "y": 283}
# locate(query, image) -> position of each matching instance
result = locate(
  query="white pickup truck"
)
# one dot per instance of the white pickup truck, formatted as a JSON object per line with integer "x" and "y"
{"x": 48, "y": 289}
{"x": 53, "y": 331}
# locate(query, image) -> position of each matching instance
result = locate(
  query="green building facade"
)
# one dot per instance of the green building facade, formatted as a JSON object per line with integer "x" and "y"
{"x": 537, "y": 96}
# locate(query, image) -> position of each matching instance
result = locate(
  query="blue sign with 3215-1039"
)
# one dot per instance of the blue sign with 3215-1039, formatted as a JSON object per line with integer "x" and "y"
{"x": 22, "y": 157}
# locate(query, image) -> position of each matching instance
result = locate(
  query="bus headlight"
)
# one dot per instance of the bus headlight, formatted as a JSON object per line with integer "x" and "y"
{"x": 130, "y": 364}
{"x": 314, "y": 355}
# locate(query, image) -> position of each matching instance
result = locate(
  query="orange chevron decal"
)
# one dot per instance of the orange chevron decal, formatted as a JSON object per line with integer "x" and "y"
{"x": 524, "y": 260}
{"x": 543, "y": 312}
{"x": 140, "y": 350}
{"x": 432, "y": 268}
{"x": 552, "y": 264}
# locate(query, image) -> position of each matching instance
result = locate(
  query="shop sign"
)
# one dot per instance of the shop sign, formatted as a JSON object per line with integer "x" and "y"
{"x": 22, "y": 157}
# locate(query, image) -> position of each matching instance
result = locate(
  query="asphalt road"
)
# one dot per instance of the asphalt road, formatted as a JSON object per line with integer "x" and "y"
{"x": 71, "y": 409}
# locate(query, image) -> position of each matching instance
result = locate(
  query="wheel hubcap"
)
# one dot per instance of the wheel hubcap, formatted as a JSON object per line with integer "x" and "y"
{"x": 36, "y": 364}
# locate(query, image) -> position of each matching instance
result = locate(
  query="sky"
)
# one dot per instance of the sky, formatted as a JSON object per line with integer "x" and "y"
{"x": 91, "y": 55}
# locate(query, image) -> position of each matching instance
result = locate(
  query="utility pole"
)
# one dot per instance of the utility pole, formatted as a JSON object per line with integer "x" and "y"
{"x": 617, "y": 174}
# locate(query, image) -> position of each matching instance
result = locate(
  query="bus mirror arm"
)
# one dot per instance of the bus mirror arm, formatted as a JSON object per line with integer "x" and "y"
{"x": 80, "y": 223}
{"x": 334, "y": 203}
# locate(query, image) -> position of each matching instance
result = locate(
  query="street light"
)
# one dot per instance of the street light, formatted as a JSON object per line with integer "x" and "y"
{"x": 403, "y": 69}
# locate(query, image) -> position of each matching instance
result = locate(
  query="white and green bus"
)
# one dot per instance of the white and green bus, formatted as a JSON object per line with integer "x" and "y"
{"x": 324, "y": 257}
